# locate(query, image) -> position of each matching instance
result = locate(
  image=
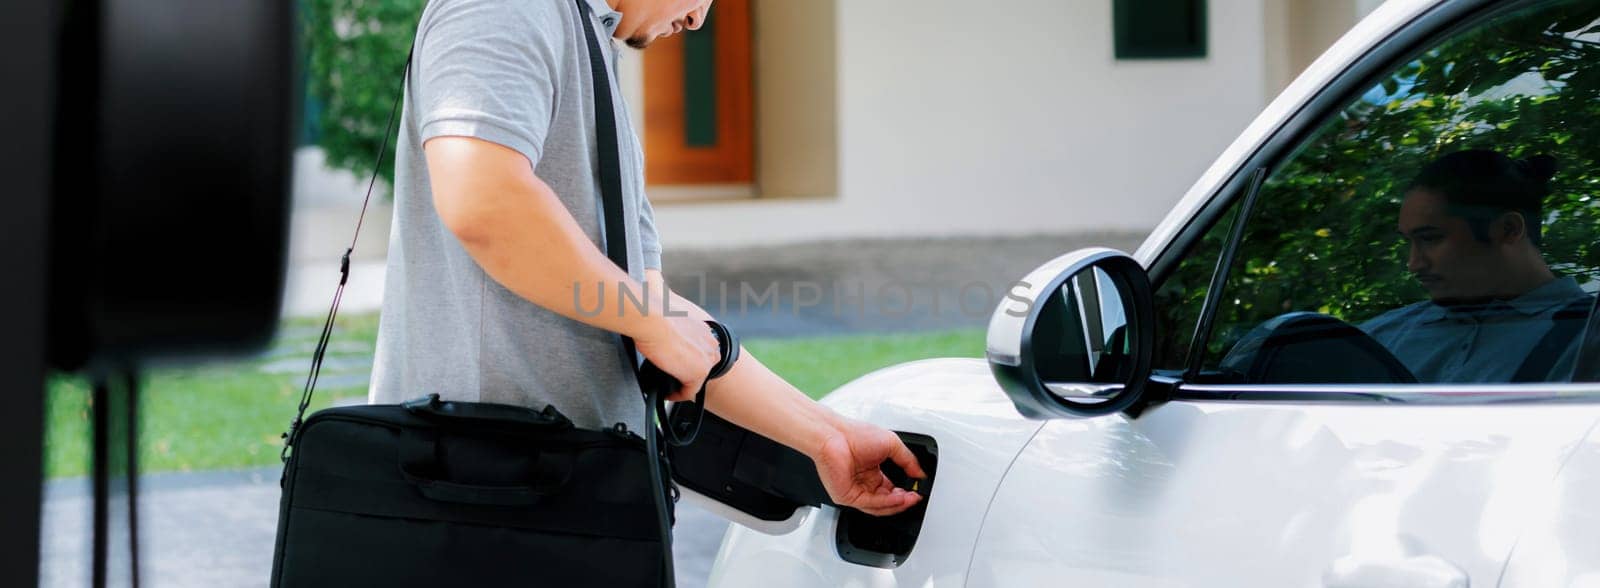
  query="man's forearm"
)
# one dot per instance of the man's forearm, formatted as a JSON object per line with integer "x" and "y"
{"x": 752, "y": 396}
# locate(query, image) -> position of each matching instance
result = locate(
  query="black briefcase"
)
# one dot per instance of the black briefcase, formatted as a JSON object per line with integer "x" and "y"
{"x": 465, "y": 494}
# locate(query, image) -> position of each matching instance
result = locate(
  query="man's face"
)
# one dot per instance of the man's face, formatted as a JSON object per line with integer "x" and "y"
{"x": 1444, "y": 255}
{"x": 644, "y": 21}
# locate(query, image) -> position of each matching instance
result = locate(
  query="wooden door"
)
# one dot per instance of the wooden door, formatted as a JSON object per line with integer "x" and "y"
{"x": 699, "y": 102}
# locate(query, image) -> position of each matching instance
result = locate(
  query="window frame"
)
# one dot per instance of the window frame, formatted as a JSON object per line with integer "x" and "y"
{"x": 1435, "y": 25}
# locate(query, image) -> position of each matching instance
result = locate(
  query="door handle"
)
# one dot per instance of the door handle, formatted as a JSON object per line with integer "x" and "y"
{"x": 1426, "y": 571}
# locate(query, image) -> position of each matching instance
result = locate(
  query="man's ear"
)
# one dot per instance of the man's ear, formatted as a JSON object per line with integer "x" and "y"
{"x": 1509, "y": 228}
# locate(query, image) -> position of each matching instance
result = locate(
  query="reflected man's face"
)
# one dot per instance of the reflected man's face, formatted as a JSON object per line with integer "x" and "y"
{"x": 1444, "y": 256}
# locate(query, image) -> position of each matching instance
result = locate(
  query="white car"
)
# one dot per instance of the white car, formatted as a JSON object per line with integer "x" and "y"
{"x": 1225, "y": 408}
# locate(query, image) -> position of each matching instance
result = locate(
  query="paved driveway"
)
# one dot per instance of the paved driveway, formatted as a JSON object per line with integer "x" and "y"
{"x": 212, "y": 529}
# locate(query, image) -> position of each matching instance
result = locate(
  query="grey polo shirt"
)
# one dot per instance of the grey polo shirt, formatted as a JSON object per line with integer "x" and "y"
{"x": 1483, "y": 344}
{"x": 516, "y": 73}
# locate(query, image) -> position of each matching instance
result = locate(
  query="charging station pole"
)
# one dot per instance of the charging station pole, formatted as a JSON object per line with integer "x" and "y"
{"x": 28, "y": 66}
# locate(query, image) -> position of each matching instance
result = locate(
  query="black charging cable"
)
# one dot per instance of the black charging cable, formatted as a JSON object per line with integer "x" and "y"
{"x": 656, "y": 384}
{"x": 687, "y": 428}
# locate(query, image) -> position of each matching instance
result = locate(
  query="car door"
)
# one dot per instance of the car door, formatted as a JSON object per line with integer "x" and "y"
{"x": 1352, "y": 388}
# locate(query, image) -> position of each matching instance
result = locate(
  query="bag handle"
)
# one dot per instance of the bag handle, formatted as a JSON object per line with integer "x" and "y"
{"x": 488, "y": 415}
{"x": 419, "y": 465}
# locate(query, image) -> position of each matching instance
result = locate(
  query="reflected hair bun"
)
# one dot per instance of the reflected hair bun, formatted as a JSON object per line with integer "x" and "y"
{"x": 1480, "y": 184}
{"x": 1538, "y": 168}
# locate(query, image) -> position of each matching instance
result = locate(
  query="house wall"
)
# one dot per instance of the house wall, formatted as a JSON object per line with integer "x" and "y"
{"x": 1005, "y": 118}
{"x": 797, "y": 107}
{"x": 1298, "y": 31}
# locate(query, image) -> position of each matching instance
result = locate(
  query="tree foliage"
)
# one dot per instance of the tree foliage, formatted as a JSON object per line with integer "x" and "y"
{"x": 356, "y": 53}
{"x": 1322, "y": 235}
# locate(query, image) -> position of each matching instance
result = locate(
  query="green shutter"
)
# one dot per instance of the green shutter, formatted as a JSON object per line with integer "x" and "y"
{"x": 700, "y": 86}
{"x": 1160, "y": 29}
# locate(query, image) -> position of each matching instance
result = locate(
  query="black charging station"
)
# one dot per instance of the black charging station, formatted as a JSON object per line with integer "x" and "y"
{"x": 147, "y": 164}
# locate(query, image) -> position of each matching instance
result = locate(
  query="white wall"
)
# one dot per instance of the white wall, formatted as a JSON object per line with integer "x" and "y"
{"x": 1299, "y": 31}
{"x": 1008, "y": 117}
{"x": 1365, "y": 7}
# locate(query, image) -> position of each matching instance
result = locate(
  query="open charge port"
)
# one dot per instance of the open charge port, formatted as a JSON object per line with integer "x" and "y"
{"x": 886, "y": 542}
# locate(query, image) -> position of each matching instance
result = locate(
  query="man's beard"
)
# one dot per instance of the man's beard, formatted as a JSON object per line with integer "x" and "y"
{"x": 638, "y": 42}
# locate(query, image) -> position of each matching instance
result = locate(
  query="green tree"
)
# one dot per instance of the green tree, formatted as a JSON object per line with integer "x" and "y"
{"x": 356, "y": 52}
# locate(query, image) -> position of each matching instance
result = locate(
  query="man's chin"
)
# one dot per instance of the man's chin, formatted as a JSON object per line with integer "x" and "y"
{"x": 1458, "y": 300}
{"x": 1443, "y": 297}
{"x": 639, "y": 42}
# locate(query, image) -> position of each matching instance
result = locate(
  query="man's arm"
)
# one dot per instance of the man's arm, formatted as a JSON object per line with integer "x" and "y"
{"x": 847, "y": 452}
{"x": 516, "y": 228}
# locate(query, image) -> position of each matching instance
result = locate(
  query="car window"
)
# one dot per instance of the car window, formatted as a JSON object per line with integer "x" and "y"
{"x": 1442, "y": 227}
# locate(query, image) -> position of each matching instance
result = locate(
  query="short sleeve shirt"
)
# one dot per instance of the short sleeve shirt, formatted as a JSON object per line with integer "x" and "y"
{"x": 1484, "y": 343}
{"x": 516, "y": 73}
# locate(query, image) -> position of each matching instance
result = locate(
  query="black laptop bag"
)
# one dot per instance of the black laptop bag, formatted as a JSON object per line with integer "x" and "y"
{"x": 464, "y": 494}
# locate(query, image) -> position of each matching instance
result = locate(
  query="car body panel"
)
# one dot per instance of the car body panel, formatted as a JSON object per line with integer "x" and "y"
{"x": 978, "y": 432}
{"x": 1561, "y": 546}
{"x": 1276, "y": 494}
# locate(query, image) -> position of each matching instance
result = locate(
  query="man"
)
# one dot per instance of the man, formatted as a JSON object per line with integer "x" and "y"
{"x": 495, "y": 270}
{"x": 1496, "y": 313}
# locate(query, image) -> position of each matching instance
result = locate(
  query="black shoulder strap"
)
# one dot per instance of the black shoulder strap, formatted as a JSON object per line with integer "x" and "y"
{"x": 344, "y": 272}
{"x": 613, "y": 231}
{"x": 1567, "y": 323}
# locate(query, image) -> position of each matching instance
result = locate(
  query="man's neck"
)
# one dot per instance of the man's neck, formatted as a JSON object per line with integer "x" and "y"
{"x": 1528, "y": 274}
{"x": 1534, "y": 282}
{"x": 1516, "y": 286}
{"x": 1525, "y": 271}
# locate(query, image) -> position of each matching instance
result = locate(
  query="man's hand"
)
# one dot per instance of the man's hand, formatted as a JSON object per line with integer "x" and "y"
{"x": 849, "y": 464}
{"x": 684, "y": 348}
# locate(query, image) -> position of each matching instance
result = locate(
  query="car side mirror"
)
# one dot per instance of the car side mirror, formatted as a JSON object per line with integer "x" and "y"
{"x": 1074, "y": 337}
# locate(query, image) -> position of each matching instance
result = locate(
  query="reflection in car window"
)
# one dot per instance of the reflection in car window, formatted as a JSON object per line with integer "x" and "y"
{"x": 1443, "y": 227}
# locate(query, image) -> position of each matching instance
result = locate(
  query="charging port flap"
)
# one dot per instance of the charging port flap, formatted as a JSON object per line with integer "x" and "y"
{"x": 886, "y": 542}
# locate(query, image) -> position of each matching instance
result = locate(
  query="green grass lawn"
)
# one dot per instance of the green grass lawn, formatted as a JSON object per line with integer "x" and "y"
{"x": 230, "y": 415}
